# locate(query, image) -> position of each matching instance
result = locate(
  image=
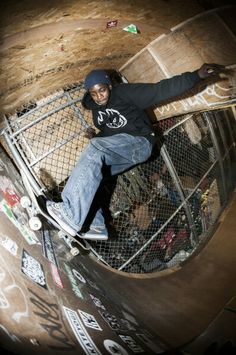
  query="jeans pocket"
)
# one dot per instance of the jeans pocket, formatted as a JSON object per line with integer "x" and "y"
{"x": 141, "y": 152}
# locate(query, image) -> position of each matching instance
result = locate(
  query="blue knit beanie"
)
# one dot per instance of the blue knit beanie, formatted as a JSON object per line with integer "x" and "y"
{"x": 97, "y": 76}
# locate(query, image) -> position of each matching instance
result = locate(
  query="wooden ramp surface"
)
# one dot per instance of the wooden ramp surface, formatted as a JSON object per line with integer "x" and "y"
{"x": 181, "y": 304}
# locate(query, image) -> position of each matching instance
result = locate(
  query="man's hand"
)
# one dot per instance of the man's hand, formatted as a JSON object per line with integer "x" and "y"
{"x": 207, "y": 70}
{"x": 90, "y": 133}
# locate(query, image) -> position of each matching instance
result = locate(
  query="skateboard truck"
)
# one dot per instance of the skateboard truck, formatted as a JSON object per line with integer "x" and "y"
{"x": 69, "y": 241}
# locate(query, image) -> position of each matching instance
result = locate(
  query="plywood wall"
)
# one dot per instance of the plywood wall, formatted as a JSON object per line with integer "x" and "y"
{"x": 205, "y": 38}
{"x": 48, "y": 44}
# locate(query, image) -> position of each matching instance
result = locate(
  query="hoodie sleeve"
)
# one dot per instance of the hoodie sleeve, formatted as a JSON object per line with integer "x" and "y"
{"x": 146, "y": 95}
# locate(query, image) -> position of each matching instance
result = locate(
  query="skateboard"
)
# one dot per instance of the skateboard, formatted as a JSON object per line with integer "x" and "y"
{"x": 35, "y": 206}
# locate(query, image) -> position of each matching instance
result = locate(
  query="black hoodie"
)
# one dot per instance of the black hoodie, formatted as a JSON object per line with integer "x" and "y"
{"x": 125, "y": 109}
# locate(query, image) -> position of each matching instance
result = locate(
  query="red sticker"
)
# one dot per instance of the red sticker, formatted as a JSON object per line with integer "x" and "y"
{"x": 11, "y": 197}
{"x": 55, "y": 275}
{"x": 112, "y": 23}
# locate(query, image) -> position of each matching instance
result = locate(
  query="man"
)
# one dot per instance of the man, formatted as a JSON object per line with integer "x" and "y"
{"x": 125, "y": 138}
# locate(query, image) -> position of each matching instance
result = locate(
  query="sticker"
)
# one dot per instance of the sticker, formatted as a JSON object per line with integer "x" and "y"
{"x": 131, "y": 28}
{"x": 33, "y": 269}
{"x": 129, "y": 317}
{"x": 93, "y": 285}
{"x": 111, "y": 320}
{"x": 73, "y": 282}
{"x": 97, "y": 302}
{"x": 9, "y": 244}
{"x": 127, "y": 324}
{"x": 114, "y": 348}
{"x": 8, "y": 191}
{"x": 131, "y": 343}
{"x": 29, "y": 235}
{"x": 79, "y": 276}
{"x": 56, "y": 276}
{"x": 47, "y": 245}
{"x": 80, "y": 332}
{"x": 111, "y": 24}
{"x": 89, "y": 320}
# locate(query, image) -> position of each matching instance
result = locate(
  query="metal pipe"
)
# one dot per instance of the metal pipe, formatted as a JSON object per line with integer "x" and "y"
{"x": 21, "y": 164}
{"x": 177, "y": 182}
{"x": 207, "y": 116}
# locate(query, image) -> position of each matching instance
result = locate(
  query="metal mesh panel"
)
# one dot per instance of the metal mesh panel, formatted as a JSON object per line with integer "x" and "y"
{"x": 142, "y": 202}
{"x": 168, "y": 246}
{"x": 191, "y": 150}
{"x": 159, "y": 211}
{"x": 49, "y": 136}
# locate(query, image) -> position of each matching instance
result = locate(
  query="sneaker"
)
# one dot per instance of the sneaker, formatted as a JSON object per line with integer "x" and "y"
{"x": 54, "y": 211}
{"x": 95, "y": 234}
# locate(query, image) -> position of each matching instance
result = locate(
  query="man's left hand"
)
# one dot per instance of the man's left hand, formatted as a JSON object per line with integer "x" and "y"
{"x": 207, "y": 70}
{"x": 90, "y": 133}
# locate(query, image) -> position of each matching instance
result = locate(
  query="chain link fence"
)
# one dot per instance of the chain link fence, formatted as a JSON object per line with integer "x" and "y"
{"x": 159, "y": 212}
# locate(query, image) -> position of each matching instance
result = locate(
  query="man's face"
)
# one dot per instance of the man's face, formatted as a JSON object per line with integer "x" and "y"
{"x": 100, "y": 93}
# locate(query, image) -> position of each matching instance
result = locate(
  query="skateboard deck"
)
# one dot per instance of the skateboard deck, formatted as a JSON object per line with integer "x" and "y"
{"x": 36, "y": 205}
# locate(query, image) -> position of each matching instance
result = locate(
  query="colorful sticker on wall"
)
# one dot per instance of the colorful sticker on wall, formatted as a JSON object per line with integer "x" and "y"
{"x": 48, "y": 250}
{"x": 89, "y": 320}
{"x": 114, "y": 348}
{"x": 80, "y": 332}
{"x": 93, "y": 285}
{"x": 131, "y": 343}
{"x": 75, "y": 287}
{"x": 9, "y": 244}
{"x": 127, "y": 324}
{"x": 131, "y": 28}
{"x": 79, "y": 276}
{"x": 33, "y": 269}
{"x": 111, "y": 320}
{"x": 29, "y": 235}
{"x": 8, "y": 191}
{"x": 129, "y": 317}
{"x": 56, "y": 276}
{"x": 97, "y": 302}
{"x": 111, "y": 24}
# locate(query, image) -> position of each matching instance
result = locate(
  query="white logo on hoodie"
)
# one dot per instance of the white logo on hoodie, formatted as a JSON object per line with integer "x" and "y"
{"x": 112, "y": 118}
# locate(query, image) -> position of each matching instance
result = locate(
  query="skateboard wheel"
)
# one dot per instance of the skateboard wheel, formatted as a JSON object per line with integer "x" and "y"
{"x": 25, "y": 201}
{"x": 35, "y": 223}
{"x": 74, "y": 251}
{"x": 61, "y": 235}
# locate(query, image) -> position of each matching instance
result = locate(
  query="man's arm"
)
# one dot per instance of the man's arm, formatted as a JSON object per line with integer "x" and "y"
{"x": 146, "y": 95}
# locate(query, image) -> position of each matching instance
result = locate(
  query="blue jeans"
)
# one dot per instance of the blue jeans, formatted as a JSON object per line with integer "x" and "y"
{"x": 120, "y": 152}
